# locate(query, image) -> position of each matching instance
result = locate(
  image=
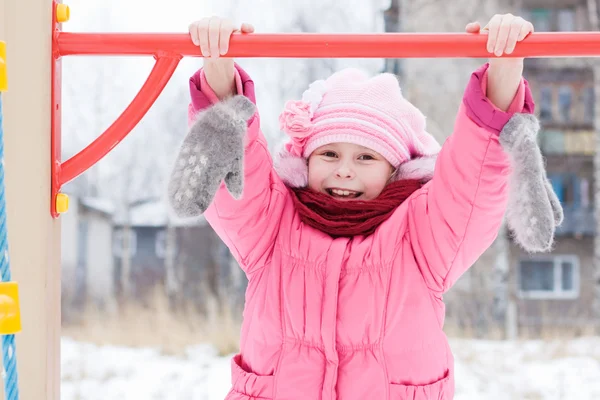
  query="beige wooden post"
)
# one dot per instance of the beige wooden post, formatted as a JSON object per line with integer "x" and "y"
{"x": 34, "y": 237}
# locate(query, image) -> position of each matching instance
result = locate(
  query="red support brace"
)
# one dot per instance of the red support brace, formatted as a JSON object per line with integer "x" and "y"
{"x": 63, "y": 172}
{"x": 154, "y": 85}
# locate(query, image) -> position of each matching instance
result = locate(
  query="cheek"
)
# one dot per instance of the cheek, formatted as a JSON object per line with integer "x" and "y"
{"x": 375, "y": 180}
{"x": 316, "y": 174}
{"x": 375, "y": 186}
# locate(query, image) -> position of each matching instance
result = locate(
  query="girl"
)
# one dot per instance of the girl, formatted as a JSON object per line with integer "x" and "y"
{"x": 352, "y": 237}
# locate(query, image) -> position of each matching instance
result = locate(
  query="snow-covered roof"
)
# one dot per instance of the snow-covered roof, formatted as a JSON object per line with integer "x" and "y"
{"x": 99, "y": 204}
{"x": 154, "y": 213}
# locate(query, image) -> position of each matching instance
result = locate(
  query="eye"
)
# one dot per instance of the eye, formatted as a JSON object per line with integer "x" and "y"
{"x": 366, "y": 157}
{"x": 329, "y": 153}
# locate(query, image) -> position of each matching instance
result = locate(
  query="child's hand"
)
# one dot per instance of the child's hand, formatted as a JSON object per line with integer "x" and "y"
{"x": 505, "y": 73}
{"x": 504, "y": 32}
{"x": 212, "y": 35}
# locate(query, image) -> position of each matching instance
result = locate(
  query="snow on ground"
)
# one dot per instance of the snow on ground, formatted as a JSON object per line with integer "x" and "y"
{"x": 485, "y": 370}
{"x": 91, "y": 372}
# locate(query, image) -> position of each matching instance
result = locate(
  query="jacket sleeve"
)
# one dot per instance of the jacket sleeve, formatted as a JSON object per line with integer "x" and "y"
{"x": 247, "y": 226}
{"x": 455, "y": 217}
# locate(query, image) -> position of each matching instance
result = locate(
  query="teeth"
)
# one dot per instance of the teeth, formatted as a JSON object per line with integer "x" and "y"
{"x": 341, "y": 192}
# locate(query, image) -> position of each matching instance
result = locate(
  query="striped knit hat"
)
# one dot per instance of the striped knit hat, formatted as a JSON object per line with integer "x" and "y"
{"x": 350, "y": 107}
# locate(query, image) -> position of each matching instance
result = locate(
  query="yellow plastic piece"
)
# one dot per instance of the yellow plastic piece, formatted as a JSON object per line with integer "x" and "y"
{"x": 62, "y": 203}
{"x": 10, "y": 312}
{"x": 3, "y": 75}
{"x": 62, "y": 13}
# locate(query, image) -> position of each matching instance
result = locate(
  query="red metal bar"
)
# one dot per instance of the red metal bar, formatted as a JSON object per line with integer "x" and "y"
{"x": 152, "y": 88}
{"x": 310, "y": 45}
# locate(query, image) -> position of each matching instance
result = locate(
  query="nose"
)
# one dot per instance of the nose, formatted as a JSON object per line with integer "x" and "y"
{"x": 344, "y": 171}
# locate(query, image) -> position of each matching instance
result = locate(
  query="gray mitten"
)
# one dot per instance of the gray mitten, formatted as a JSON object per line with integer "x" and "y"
{"x": 212, "y": 152}
{"x": 534, "y": 210}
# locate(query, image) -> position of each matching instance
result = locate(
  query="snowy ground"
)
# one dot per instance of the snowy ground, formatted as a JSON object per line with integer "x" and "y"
{"x": 532, "y": 370}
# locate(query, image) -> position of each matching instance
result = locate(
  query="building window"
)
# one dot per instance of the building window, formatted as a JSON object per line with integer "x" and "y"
{"x": 546, "y": 103}
{"x": 558, "y": 186}
{"x": 567, "y": 188}
{"x": 118, "y": 243}
{"x": 565, "y": 19}
{"x": 588, "y": 105}
{"x": 541, "y": 18}
{"x": 549, "y": 278}
{"x": 160, "y": 245}
{"x": 584, "y": 190}
{"x": 565, "y": 99}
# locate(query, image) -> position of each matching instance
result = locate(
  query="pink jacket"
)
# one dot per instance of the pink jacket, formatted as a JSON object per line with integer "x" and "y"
{"x": 360, "y": 318}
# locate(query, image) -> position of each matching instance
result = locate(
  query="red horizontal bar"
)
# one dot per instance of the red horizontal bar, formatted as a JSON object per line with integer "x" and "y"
{"x": 154, "y": 85}
{"x": 312, "y": 45}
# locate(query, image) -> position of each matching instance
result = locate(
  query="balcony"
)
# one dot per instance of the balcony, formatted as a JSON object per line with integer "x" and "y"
{"x": 580, "y": 142}
{"x": 579, "y": 221}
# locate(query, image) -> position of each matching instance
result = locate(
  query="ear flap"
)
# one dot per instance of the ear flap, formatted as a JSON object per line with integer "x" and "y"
{"x": 420, "y": 168}
{"x": 292, "y": 170}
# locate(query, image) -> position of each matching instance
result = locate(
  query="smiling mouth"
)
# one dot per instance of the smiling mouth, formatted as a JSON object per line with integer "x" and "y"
{"x": 343, "y": 194}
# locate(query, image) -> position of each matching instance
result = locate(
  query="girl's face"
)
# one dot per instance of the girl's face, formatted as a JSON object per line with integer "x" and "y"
{"x": 348, "y": 171}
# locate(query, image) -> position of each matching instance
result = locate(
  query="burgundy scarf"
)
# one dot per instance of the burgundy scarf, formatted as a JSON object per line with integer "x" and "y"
{"x": 350, "y": 218}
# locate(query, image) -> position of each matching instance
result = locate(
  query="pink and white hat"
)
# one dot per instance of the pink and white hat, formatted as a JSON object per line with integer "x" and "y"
{"x": 351, "y": 107}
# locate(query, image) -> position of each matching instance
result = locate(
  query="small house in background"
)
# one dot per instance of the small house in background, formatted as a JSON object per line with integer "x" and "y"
{"x": 86, "y": 262}
{"x": 139, "y": 248}
{"x": 115, "y": 257}
{"x": 152, "y": 249}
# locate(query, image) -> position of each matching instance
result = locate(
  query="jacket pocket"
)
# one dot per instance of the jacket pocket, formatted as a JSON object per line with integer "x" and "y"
{"x": 247, "y": 385}
{"x": 438, "y": 390}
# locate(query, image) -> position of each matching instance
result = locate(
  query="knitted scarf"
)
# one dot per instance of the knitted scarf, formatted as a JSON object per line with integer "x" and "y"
{"x": 340, "y": 218}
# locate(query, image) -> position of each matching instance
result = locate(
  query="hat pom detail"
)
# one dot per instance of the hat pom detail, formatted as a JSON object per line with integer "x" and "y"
{"x": 296, "y": 118}
{"x": 314, "y": 95}
{"x": 296, "y": 122}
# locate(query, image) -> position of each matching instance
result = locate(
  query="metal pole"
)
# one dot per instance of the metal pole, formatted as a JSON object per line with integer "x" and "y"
{"x": 312, "y": 45}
